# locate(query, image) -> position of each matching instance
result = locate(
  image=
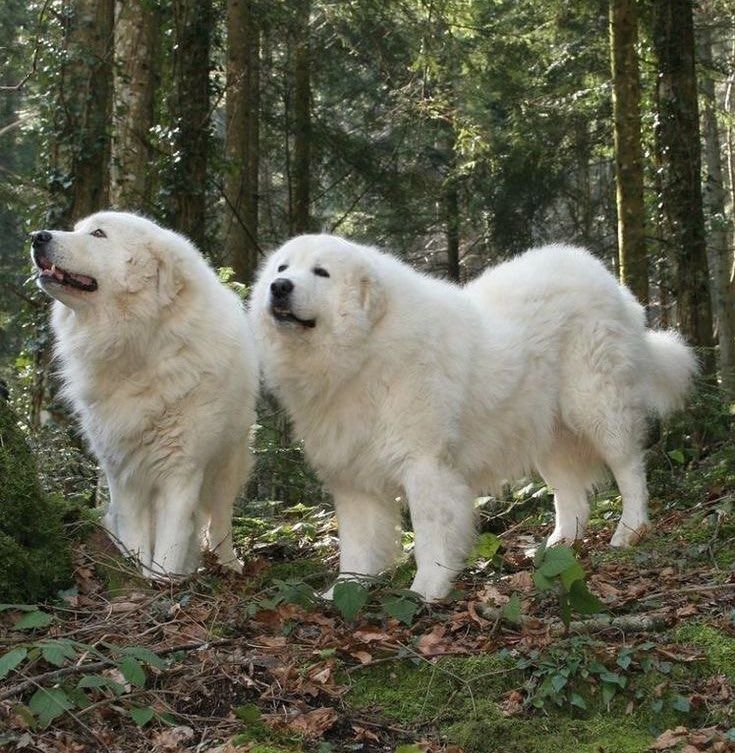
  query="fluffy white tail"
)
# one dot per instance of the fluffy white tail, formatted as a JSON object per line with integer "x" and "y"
{"x": 672, "y": 367}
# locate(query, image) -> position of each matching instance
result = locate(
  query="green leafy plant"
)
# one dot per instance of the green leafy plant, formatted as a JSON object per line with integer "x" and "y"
{"x": 573, "y": 673}
{"x": 556, "y": 568}
{"x": 81, "y": 687}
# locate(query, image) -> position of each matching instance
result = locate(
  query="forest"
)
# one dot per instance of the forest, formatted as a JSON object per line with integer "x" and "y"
{"x": 454, "y": 134}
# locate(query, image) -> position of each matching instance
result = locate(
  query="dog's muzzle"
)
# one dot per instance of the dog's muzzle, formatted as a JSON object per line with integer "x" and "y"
{"x": 281, "y": 289}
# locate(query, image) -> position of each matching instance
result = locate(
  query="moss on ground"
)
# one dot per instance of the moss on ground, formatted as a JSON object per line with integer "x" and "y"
{"x": 717, "y": 647}
{"x": 461, "y": 698}
{"x": 35, "y": 560}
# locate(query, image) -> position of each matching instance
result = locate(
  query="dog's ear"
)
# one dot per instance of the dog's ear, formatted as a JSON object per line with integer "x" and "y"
{"x": 371, "y": 295}
{"x": 169, "y": 279}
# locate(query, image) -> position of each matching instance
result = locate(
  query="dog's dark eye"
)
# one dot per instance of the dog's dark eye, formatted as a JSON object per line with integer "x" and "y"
{"x": 98, "y": 233}
{"x": 283, "y": 268}
{"x": 320, "y": 272}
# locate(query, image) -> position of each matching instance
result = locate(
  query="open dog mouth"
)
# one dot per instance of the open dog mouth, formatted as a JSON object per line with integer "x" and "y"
{"x": 286, "y": 315}
{"x": 49, "y": 272}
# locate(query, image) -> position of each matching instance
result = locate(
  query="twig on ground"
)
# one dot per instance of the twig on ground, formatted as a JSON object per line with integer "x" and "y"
{"x": 628, "y": 623}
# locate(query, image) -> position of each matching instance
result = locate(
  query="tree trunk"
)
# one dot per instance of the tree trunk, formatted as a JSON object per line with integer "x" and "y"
{"x": 85, "y": 91}
{"x": 135, "y": 83}
{"x": 242, "y": 140}
{"x": 720, "y": 256}
{"x": 302, "y": 121}
{"x": 678, "y": 134}
{"x": 451, "y": 211}
{"x": 628, "y": 151}
{"x": 193, "y": 21}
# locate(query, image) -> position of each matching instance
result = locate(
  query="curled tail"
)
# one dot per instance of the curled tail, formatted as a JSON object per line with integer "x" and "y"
{"x": 672, "y": 367}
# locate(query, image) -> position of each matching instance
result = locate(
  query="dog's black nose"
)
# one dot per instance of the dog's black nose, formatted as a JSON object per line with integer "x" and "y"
{"x": 41, "y": 238}
{"x": 281, "y": 287}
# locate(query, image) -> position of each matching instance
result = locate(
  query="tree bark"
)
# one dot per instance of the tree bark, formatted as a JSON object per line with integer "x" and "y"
{"x": 193, "y": 22}
{"x": 85, "y": 91}
{"x": 302, "y": 122}
{"x": 720, "y": 230}
{"x": 451, "y": 210}
{"x": 135, "y": 83}
{"x": 678, "y": 135}
{"x": 242, "y": 132}
{"x": 628, "y": 151}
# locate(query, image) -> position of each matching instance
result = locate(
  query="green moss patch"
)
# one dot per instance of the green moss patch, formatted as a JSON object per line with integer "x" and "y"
{"x": 35, "y": 561}
{"x": 717, "y": 647}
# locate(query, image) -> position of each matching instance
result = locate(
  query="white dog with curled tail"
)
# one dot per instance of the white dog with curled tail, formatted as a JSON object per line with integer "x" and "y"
{"x": 158, "y": 362}
{"x": 406, "y": 387}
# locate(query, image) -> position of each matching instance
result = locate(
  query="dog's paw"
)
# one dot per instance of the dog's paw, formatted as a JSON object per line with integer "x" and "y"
{"x": 627, "y": 535}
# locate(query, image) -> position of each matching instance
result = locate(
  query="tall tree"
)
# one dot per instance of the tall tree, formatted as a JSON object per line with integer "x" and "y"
{"x": 628, "y": 151}
{"x": 302, "y": 119}
{"x": 135, "y": 82}
{"x": 720, "y": 230}
{"x": 85, "y": 93}
{"x": 242, "y": 139}
{"x": 679, "y": 143}
{"x": 190, "y": 110}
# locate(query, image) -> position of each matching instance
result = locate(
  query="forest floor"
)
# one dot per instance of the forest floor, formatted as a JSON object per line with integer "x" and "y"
{"x": 225, "y": 663}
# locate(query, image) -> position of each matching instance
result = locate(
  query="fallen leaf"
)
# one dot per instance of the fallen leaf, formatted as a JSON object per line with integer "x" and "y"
{"x": 172, "y": 739}
{"x": 669, "y": 739}
{"x": 314, "y": 723}
{"x": 362, "y": 656}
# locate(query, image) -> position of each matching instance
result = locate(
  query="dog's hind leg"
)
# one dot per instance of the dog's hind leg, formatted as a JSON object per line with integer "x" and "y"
{"x": 369, "y": 534}
{"x": 630, "y": 475}
{"x": 222, "y": 484}
{"x": 569, "y": 470}
{"x": 442, "y": 513}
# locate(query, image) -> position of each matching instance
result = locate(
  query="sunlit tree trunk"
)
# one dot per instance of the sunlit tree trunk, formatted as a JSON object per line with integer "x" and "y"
{"x": 678, "y": 134}
{"x": 242, "y": 131}
{"x": 135, "y": 82}
{"x": 715, "y": 198}
{"x": 302, "y": 121}
{"x": 628, "y": 152}
{"x": 192, "y": 21}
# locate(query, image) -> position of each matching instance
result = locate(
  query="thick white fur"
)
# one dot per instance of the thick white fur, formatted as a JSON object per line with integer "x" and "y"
{"x": 414, "y": 388}
{"x": 160, "y": 367}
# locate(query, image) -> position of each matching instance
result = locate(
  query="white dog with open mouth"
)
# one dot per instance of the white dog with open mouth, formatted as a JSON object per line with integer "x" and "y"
{"x": 158, "y": 361}
{"x": 408, "y": 387}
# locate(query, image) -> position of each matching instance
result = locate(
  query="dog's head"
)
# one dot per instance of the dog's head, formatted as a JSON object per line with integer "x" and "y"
{"x": 319, "y": 288}
{"x": 111, "y": 260}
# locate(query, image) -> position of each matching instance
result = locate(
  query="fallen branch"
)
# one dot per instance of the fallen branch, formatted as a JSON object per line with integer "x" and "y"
{"x": 628, "y": 623}
{"x": 56, "y": 674}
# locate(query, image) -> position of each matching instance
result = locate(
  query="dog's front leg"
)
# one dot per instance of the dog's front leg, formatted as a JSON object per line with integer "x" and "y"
{"x": 369, "y": 534}
{"x": 176, "y": 522}
{"x": 442, "y": 513}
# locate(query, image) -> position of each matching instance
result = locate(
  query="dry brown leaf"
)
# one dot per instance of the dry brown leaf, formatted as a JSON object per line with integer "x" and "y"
{"x": 362, "y": 734}
{"x": 520, "y": 581}
{"x": 172, "y": 739}
{"x": 314, "y": 723}
{"x": 429, "y": 643}
{"x": 369, "y": 635}
{"x": 669, "y": 739}
{"x": 362, "y": 656}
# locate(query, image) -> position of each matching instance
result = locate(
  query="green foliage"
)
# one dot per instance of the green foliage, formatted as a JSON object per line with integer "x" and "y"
{"x": 350, "y": 596}
{"x": 556, "y": 568}
{"x": 35, "y": 560}
{"x": 576, "y": 672}
{"x": 78, "y": 690}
